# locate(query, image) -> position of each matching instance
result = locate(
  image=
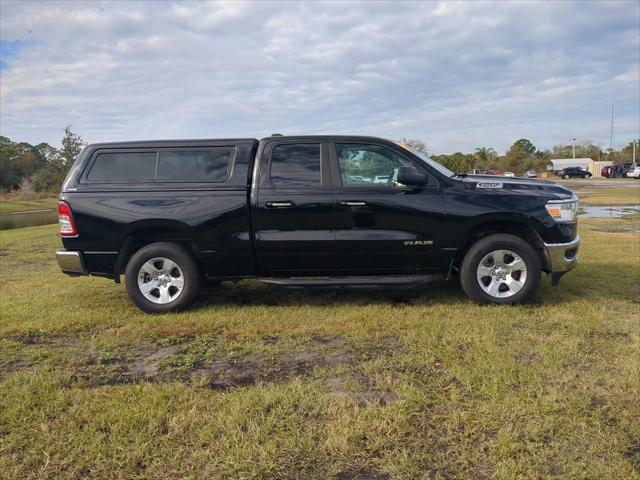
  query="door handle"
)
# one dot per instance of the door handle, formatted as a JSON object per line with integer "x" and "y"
{"x": 353, "y": 204}
{"x": 285, "y": 204}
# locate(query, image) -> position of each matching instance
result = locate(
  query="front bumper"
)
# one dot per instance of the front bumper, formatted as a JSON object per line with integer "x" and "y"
{"x": 71, "y": 263}
{"x": 562, "y": 257}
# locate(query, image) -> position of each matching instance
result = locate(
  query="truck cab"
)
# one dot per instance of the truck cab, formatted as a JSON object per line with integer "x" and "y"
{"x": 306, "y": 211}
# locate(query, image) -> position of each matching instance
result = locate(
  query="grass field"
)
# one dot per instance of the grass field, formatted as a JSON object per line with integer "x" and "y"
{"x": 9, "y": 204}
{"x": 257, "y": 382}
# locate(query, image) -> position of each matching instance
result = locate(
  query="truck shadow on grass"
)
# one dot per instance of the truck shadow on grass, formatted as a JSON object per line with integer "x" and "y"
{"x": 253, "y": 293}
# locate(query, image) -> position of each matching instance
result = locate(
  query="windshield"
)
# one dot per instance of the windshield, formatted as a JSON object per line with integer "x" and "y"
{"x": 432, "y": 163}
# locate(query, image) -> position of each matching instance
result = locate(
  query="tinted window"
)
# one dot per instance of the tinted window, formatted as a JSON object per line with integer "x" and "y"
{"x": 369, "y": 165}
{"x": 210, "y": 165}
{"x": 123, "y": 166}
{"x": 296, "y": 165}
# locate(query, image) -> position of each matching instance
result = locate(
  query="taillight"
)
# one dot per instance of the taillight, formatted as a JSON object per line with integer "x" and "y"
{"x": 66, "y": 221}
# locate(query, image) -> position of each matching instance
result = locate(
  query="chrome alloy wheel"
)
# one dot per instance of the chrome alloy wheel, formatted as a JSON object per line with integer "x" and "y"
{"x": 502, "y": 273}
{"x": 160, "y": 280}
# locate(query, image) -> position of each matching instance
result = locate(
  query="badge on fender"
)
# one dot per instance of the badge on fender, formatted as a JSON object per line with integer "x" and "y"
{"x": 488, "y": 185}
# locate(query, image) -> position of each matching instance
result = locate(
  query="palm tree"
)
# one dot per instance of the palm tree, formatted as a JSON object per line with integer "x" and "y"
{"x": 485, "y": 156}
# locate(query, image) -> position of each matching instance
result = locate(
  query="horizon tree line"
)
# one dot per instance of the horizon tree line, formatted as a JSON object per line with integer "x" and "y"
{"x": 30, "y": 168}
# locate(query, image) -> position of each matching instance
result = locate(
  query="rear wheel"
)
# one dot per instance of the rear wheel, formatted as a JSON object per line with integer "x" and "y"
{"x": 162, "y": 277}
{"x": 566, "y": 177}
{"x": 500, "y": 269}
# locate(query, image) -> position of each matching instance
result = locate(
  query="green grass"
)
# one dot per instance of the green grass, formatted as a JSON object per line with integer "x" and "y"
{"x": 257, "y": 382}
{"x": 10, "y": 205}
{"x": 604, "y": 191}
{"x": 608, "y": 195}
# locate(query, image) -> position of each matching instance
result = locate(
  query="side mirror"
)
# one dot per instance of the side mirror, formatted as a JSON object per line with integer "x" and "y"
{"x": 410, "y": 176}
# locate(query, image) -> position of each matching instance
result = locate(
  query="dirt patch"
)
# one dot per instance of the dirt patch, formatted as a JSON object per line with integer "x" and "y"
{"x": 633, "y": 455}
{"x": 148, "y": 364}
{"x": 206, "y": 361}
{"x": 361, "y": 475}
{"x": 318, "y": 353}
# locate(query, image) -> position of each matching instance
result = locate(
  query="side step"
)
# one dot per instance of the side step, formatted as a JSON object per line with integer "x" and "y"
{"x": 352, "y": 282}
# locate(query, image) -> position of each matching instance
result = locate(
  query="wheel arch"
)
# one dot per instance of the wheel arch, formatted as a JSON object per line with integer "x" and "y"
{"x": 140, "y": 234}
{"x": 514, "y": 225}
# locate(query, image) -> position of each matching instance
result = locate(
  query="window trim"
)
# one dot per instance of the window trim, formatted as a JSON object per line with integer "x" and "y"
{"x": 84, "y": 179}
{"x": 321, "y": 159}
{"x": 337, "y": 177}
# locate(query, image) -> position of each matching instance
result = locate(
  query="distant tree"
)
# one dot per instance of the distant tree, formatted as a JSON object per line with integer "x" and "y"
{"x": 519, "y": 157}
{"x": 72, "y": 145}
{"x": 525, "y": 146}
{"x": 486, "y": 156}
{"x": 9, "y": 172}
{"x": 457, "y": 162}
{"x": 50, "y": 178}
{"x": 59, "y": 162}
{"x": 17, "y": 161}
{"x": 627, "y": 152}
{"x": 417, "y": 145}
{"x": 47, "y": 151}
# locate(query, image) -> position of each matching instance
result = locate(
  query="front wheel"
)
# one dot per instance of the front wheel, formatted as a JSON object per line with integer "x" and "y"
{"x": 501, "y": 269}
{"x": 162, "y": 277}
{"x": 566, "y": 177}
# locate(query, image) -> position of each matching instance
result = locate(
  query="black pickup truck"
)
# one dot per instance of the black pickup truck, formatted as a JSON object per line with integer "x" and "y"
{"x": 306, "y": 211}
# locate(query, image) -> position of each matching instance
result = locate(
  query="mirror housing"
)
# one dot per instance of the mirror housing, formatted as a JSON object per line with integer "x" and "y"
{"x": 409, "y": 175}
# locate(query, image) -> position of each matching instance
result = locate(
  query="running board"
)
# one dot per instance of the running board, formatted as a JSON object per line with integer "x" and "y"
{"x": 353, "y": 282}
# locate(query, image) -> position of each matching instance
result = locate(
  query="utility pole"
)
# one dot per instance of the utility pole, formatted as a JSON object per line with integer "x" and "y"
{"x": 634, "y": 151}
{"x": 574, "y": 148}
{"x": 611, "y": 133}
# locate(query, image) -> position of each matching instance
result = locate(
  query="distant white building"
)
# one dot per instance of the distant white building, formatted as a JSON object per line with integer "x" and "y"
{"x": 592, "y": 166}
{"x": 560, "y": 163}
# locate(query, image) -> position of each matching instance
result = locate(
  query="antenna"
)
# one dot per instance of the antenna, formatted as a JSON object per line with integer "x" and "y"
{"x": 612, "y": 135}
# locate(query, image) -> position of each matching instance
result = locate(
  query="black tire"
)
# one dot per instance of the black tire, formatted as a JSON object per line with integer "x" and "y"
{"x": 469, "y": 268}
{"x": 187, "y": 267}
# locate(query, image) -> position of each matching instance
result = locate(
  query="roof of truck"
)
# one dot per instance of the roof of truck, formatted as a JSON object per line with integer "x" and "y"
{"x": 209, "y": 141}
{"x": 324, "y": 137}
{"x": 170, "y": 143}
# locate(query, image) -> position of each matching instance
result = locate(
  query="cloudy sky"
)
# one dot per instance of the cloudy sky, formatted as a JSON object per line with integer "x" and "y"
{"x": 456, "y": 75}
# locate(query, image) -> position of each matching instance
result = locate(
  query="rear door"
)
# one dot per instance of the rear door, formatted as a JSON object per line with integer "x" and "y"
{"x": 293, "y": 210}
{"x": 385, "y": 227}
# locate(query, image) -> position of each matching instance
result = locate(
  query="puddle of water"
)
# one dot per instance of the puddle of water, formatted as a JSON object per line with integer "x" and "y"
{"x": 593, "y": 211}
{"x": 9, "y": 221}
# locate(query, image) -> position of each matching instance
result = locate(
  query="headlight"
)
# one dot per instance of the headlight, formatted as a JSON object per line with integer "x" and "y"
{"x": 563, "y": 211}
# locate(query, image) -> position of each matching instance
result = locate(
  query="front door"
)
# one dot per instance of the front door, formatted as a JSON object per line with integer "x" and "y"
{"x": 385, "y": 227}
{"x": 293, "y": 213}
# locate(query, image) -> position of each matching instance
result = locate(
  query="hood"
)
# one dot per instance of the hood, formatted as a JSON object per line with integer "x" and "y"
{"x": 529, "y": 186}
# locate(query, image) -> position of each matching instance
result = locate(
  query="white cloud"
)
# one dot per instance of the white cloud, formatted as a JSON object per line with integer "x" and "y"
{"x": 457, "y": 75}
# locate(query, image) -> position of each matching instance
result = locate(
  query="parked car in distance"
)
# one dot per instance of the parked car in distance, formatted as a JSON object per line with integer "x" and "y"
{"x": 290, "y": 211}
{"x": 381, "y": 179}
{"x": 620, "y": 170}
{"x": 575, "y": 172}
{"x": 359, "y": 179}
{"x": 634, "y": 171}
{"x": 607, "y": 171}
{"x": 509, "y": 174}
{"x": 531, "y": 174}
